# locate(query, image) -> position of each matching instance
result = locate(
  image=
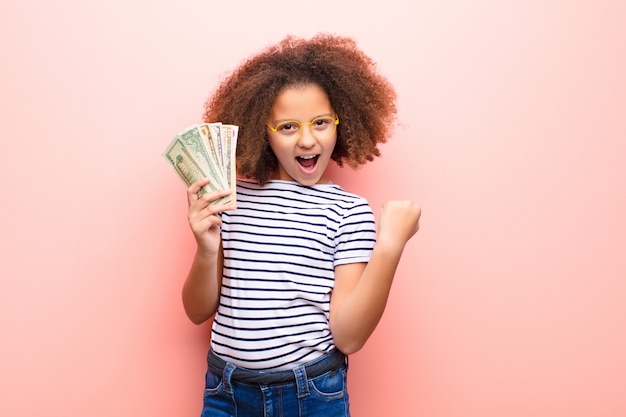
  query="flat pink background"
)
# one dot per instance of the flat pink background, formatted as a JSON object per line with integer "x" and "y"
{"x": 512, "y": 136}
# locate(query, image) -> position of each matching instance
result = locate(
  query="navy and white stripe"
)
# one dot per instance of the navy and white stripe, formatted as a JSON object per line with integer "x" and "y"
{"x": 281, "y": 246}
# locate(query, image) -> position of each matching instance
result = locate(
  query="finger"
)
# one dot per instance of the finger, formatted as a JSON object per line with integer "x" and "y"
{"x": 204, "y": 206}
{"x": 194, "y": 189}
{"x": 211, "y": 211}
{"x": 210, "y": 197}
{"x": 200, "y": 223}
{"x": 205, "y": 228}
{"x": 201, "y": 211}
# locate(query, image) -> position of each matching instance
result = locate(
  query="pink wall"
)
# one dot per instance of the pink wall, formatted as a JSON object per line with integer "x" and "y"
{"x": 512, "y": 137}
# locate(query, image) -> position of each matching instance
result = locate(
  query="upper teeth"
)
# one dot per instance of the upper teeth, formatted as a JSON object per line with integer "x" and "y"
{"x": 308, "y": 157}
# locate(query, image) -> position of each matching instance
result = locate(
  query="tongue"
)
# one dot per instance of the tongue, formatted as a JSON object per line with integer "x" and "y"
{"x": 307, "y": 163}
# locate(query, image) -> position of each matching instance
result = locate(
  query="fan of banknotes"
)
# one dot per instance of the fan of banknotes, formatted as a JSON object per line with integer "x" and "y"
{"x": 206, "y": 150}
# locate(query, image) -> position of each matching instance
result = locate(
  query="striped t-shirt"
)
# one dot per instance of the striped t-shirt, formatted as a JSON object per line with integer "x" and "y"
{"x": 281, "y": 246}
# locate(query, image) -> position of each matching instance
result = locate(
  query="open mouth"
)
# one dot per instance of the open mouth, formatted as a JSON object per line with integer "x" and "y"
{"x": 308, "y": 162}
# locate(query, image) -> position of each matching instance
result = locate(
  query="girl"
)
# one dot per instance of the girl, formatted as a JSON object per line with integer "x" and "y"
{"x": 295, "y": 274}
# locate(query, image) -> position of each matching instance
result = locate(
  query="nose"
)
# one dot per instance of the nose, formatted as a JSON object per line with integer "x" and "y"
{"x": 306, "y": 137}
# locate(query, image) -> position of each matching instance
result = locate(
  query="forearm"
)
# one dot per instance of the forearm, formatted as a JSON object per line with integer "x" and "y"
{"x": 360, "y": 311}
{"x": 202, "y": 287}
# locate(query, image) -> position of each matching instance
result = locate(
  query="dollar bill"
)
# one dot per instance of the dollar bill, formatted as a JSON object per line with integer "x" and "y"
{"x": 196, "y": 139}
{"x": 229, "y": 140}
{"x": 188, "y": 169}
{"x": 215, "y": 130}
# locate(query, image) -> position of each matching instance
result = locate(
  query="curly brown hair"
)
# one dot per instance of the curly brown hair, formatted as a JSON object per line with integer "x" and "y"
{"x": 363, "y": 99}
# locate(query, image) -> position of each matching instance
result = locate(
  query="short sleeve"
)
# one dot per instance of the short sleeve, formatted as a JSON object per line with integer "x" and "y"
{"x": 356, "y": 235}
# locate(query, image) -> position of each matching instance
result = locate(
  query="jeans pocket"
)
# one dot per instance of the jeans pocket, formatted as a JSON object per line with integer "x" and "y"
{"x": 217, "y": 402}
{"x": 212, "y": 383}
{"x": 330, "y": 386}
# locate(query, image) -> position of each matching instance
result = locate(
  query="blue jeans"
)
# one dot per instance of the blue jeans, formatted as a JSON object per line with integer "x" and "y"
{"x": 325, "y": 395}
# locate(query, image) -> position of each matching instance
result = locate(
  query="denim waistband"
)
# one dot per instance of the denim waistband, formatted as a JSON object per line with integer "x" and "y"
{"x": 327, "y": 362}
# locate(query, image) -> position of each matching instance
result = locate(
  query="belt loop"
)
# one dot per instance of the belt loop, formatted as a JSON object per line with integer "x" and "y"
{"x": 226, "y": 377}
{"x": 301, "y": 381}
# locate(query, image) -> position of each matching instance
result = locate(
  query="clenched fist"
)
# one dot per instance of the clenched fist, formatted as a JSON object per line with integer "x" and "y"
{"x": 399, "y": 221}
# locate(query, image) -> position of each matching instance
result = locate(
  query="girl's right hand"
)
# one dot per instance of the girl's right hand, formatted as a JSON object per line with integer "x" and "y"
{"x": 202, "y": 216}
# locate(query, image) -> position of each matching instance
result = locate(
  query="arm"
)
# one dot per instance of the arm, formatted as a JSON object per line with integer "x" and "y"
{"x": 202, "y": 287}
{"x": 361, "y": 290}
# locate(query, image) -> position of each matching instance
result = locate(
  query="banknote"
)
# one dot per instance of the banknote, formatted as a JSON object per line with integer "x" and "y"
{"x": 229, "y": 141}
{"x": 206, "y": 150}
{"x": 187, "y": 168}
{"x": 213, "y": 139}
{"x": 229, "y": 133}
{"x": 196, "y": 139}
{"x": 215, "y": 129}
{"x": 217, "y": 142}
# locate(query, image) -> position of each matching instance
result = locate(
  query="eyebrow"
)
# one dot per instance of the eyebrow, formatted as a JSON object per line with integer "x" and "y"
{"x": 296, "y": 120}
